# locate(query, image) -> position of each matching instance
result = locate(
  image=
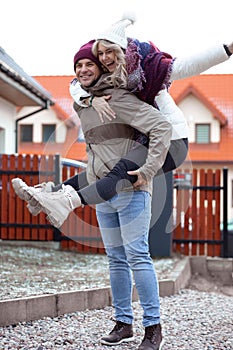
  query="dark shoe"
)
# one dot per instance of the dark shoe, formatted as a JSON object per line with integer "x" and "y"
{"x": 153, "y": 339}
{"x": 122, "y": 332}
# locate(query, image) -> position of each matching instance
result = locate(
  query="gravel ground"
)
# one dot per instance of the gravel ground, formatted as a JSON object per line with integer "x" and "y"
{"x": 28, "y": 271}
{"x": 191, "y": 319}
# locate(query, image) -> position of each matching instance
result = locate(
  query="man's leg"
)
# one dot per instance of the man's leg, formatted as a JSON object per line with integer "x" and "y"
{"x": 134, "y": 222}
{"x": 120, "y": 274}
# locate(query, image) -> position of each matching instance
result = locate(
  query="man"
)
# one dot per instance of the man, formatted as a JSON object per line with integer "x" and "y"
{"x": 125, "y": 219}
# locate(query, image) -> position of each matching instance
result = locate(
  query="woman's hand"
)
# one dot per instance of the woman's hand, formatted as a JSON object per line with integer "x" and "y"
{"x": 230, "y": 47}
{"x": 102, "y": 107}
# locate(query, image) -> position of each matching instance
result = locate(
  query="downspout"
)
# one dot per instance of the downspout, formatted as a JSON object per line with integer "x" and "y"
{"x": 24, "y": 117}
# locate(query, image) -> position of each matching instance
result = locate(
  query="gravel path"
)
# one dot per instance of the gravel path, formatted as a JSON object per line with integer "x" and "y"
{"x": 191, "y": 319}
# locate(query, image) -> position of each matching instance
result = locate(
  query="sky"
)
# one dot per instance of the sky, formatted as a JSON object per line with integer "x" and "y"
{"x": 42, "y": 36}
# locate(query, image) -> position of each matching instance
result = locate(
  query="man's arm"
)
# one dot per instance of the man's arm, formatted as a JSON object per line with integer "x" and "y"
{"x": 149, "y": 121}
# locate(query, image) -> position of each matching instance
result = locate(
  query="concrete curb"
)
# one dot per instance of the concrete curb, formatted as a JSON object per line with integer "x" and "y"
{"x": 219, "y": 268}
{"x": 13, "y": 311}
{"x": 177, "y": 280}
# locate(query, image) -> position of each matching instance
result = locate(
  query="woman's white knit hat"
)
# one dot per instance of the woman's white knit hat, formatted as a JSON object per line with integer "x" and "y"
{"x": 116, "y": 33}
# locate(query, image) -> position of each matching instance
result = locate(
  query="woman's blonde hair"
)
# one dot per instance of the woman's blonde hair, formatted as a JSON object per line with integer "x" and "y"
{"x": 119, "y": 76}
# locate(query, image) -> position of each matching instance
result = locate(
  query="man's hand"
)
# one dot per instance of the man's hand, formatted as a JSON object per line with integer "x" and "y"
{"x": 102, "y": 107}
{"x": 140, "y": 181}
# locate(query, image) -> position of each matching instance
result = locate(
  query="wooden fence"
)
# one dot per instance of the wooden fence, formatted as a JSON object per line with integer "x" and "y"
{"x": 80, "y": 232}
{"x": 196, "y": 207}
{"x": 198, "y": 213}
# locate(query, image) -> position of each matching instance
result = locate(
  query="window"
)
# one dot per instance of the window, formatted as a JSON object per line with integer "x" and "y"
{"x": 2, "y": 140}
{"x": 202, "y": 133}
{"x": 26, "y": 132}
{"x": 48, "y": 132}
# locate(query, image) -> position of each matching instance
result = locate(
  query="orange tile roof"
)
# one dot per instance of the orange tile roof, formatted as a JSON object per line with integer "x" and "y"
{"x": 216, "y": 92}
{"x": 58, "y": 86}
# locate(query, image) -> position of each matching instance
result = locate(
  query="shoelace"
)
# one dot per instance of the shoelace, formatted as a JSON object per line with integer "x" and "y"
{"x": 118, "y": 326}
{"x": 68, "y": 195}
{"x": 42, "y": 185}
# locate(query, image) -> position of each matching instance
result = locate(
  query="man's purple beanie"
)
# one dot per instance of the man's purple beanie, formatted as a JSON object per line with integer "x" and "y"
{"x": 85, "y": 52}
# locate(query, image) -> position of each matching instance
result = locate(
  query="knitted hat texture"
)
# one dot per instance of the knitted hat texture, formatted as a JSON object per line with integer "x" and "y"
{"x": 85, "y": 52}
{"x": 116, "y": 33}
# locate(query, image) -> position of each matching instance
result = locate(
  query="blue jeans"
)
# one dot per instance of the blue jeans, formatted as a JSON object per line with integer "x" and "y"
{"x": 124, "y": 224}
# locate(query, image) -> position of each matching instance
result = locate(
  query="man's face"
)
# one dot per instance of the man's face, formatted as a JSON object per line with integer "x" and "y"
{"x": 86, "y": 72}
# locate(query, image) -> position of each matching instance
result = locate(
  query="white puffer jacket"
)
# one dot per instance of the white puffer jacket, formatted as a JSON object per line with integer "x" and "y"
{"x": 183, "y": 68}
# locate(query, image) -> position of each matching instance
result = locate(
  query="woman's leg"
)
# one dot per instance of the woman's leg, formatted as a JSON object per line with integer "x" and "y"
{"x": 98, "y": 192}
{"x": 77, "y": 181}
{"x": 176, "y": 155}
{"x": 116, "y": 180}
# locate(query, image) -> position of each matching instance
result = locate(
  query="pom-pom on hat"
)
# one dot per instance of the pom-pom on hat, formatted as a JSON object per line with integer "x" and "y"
{"x": 116, "y": 33}
{"x": 85, "y": 51}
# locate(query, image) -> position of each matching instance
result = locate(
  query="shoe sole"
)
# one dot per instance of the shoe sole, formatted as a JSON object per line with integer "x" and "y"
{"x": 21, "y": 189}
{"x": 34, "y": 210}
{"x": 53, "y": 221}
{"x": 161, "y": 344}
{"x": 124, "y": 340}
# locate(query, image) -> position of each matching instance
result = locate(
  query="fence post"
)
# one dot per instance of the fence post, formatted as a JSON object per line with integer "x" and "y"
{"x": 225, "y": 213}
{"x": 160, "y": 236}
{"x": 57, "y": 169}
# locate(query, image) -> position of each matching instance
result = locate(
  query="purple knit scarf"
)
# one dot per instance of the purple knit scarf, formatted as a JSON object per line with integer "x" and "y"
{"x": 148, "y": 69}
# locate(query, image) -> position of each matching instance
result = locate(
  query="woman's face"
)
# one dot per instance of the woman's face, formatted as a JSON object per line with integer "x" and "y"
{"x": 107, "y": 57}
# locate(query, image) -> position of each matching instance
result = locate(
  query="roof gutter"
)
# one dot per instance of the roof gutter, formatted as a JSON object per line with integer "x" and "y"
{"x": 26, "y": 85}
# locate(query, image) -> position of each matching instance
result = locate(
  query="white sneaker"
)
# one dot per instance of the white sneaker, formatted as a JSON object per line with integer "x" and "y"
{"x": 22, "y": 190}
{"x": 57, "y": 205}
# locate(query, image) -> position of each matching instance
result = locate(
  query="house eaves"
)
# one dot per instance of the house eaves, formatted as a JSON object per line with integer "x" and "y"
{"x": 190, "y": 89}
{"x": 18, "y": 87}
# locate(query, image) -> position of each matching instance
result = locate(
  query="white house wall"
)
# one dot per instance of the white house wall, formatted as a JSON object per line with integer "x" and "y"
{"x": 197, "y": 113}
{"x": 47, "y": 116}
{"x": 7, "y": 127}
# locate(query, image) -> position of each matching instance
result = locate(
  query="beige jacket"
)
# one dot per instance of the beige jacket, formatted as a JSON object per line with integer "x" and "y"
{"x": 109, "y": 142}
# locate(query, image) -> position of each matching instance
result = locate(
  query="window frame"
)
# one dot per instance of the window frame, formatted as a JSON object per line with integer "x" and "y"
{"x": 209, "y": 133}
{"x": 22, "y": 133}
{"x": 49, "y": 139}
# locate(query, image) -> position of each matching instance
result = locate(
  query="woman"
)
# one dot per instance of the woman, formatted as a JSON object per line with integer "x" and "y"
{"x": 149, "y": 73}
{"x": 105, "y": 188}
